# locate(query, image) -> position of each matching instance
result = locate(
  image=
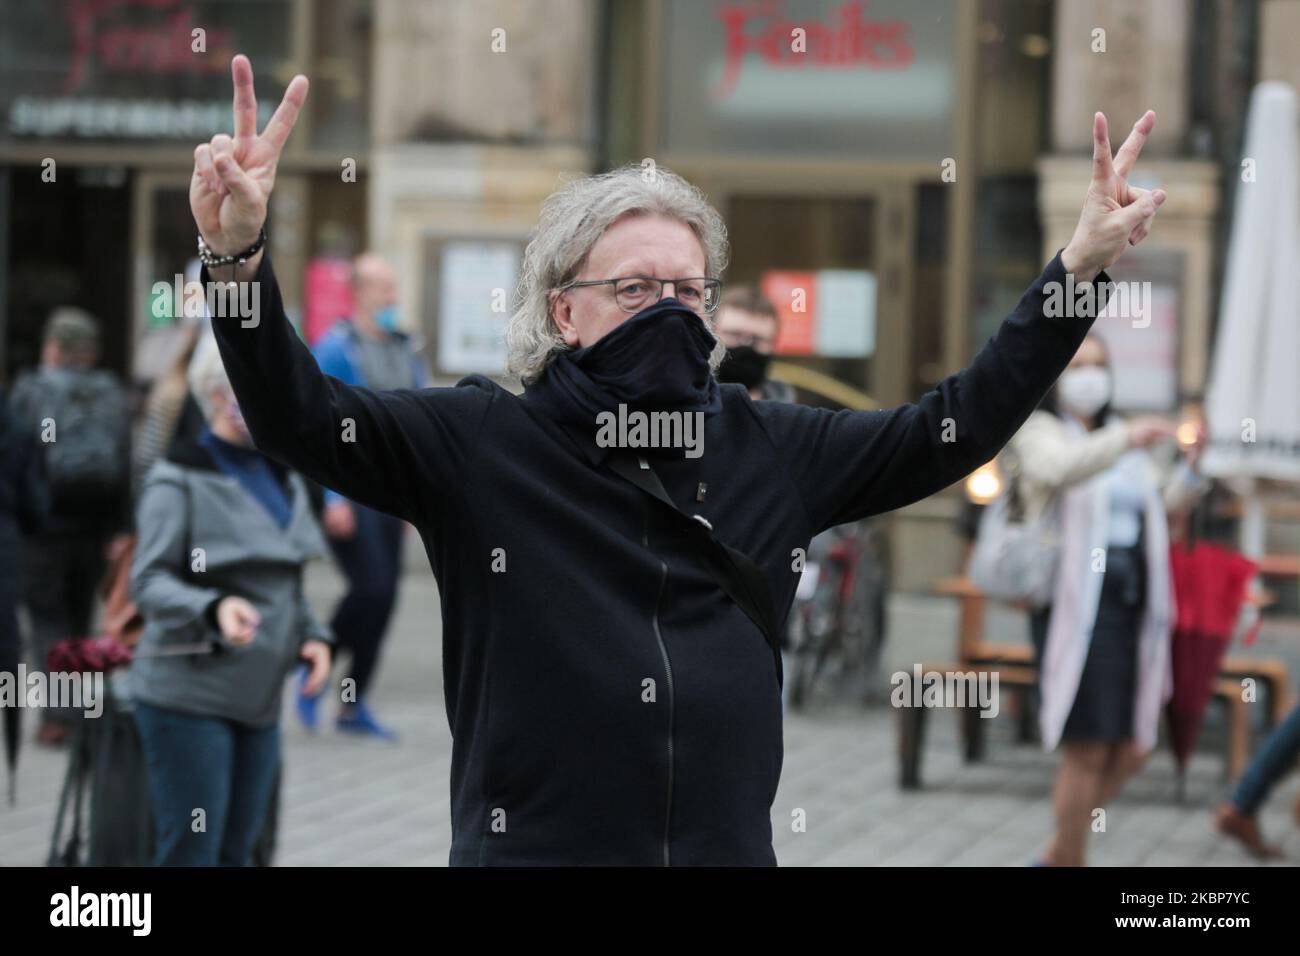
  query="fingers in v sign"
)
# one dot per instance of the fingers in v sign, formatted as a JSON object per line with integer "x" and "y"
{"x": 233, "y": 176}
{"x": 1115, "y": 214}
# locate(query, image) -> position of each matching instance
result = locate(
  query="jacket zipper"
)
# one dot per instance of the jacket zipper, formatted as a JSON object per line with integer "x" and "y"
{"x": 668, "y": 669}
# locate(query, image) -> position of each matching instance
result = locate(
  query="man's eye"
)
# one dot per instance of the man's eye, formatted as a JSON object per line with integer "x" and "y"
{"x": 689, "y": 292}
{"x": 634, "y": 288}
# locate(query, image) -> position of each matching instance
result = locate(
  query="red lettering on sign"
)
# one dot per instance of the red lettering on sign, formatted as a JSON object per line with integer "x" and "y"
{"x": 848, "y": 41}
{"x": 160, "y": 47}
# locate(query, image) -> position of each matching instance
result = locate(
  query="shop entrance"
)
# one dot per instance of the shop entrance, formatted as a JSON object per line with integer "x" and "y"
{"x": 852, "y": 252}
{"x": 69, "y": 243}
{"x": 163, "y": 243}
{"x": 810, "y": 236}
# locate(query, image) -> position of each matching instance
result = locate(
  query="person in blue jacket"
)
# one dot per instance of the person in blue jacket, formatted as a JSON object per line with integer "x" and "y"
{"x": 369, "y": 351}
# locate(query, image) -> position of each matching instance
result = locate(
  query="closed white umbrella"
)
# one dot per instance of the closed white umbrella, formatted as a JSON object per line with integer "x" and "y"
{"x": 1253, "y": 399}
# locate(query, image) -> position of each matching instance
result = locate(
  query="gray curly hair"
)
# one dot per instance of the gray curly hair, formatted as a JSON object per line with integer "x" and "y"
{"x": 572, "y": 219}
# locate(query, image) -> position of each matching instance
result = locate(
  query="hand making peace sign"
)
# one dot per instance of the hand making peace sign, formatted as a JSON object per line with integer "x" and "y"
{"x": 233, "y": 178}
{"x": 1115, "y": 214}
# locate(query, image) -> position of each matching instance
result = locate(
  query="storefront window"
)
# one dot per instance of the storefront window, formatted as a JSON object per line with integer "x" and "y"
{"x": 1014, "y": 63}
{"x": 925, "y": 323}
{"x": 135, "y": 70}
{"x": 814, "y": 257}
{"x": 340, "y": 74}
{"x": 809, "y": 78}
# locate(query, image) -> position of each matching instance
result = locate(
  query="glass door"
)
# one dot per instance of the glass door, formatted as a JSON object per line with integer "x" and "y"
{"x": 814, "y": 257}
{"x": 163, "y": 245}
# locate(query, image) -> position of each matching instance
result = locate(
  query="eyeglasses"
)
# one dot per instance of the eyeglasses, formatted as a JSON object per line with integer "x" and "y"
{"x": 634, "y": 293}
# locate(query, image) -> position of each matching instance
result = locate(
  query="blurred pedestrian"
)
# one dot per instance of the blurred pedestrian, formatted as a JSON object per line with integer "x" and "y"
{"x": 169, "y": 408}
{"x": 747, "y": 325}
{"x": 79, "y": 417}
{"x": 368, "y": 350}
{"x": 22, "y": 512}
{"x": 223, "y": 534}
{"x": 1237, "y": 817}
{"x": 1103, "y": 642}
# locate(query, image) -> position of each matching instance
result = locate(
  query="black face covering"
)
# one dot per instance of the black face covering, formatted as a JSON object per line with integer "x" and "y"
{"x": 744, "y": 365}
{"x": 658, "y": 360}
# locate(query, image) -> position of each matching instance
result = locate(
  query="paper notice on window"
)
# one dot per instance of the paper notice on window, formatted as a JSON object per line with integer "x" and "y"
{"x": 846, "y": 313}
{"x": 476, "y": 284}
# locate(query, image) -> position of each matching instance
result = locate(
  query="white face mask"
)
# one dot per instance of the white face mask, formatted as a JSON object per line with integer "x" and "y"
{"x": 1084, "y": 391}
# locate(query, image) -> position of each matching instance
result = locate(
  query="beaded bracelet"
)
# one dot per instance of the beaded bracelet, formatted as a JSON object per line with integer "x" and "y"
{"x": 212, "y": 260}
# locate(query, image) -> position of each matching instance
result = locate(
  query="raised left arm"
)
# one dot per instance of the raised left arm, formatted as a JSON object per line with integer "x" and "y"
{"x": 848, "y": 465}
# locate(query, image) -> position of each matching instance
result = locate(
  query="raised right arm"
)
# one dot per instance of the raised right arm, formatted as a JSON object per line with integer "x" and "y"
{"x": 393, "y": 451}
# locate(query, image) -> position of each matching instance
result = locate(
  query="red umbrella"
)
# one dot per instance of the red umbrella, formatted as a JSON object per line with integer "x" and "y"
{"x": 1210, "y": 585}
{"x": 106, "y": 653}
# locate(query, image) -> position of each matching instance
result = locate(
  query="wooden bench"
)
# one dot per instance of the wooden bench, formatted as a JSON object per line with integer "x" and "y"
{"x": 911, "y": 719}
{"x": 1015, "y": 666}
{"x": 912, "y": 722}
{"x": 1237, "y": 746}
{"x": 1272, "y": 673}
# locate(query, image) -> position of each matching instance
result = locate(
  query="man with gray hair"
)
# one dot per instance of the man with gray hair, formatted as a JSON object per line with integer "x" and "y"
{"x": 611, "y": 614}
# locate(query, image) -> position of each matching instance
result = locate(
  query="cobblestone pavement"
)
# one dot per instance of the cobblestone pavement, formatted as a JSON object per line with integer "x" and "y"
{"x": 360, "y": 803}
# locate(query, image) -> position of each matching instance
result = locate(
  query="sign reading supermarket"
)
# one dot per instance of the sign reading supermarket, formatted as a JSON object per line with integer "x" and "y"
{"x": 134, "y": 69}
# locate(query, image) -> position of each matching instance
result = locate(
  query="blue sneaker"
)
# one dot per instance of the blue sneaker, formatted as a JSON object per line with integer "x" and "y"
{"x": 358, "y": 719}
{"x": 308, "y": 707}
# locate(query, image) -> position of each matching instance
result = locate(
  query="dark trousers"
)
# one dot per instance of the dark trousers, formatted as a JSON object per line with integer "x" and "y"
{"x": 1275, "y": 759}
{"x": 225, "y": 769}
{"x": 371, "y": 560}
{"x": 60, "y": 577}
{"x": 11, "y": 574}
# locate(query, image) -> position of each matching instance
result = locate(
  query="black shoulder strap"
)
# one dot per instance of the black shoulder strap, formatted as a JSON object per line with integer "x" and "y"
{"x": 732, "y": 570}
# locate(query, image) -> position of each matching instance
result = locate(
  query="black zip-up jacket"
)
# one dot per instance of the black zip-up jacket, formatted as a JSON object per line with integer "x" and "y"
{"x": 609, "y": 705}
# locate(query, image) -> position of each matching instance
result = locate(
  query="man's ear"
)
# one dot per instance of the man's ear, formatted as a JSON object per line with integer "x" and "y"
{"x": 562, "y": 316}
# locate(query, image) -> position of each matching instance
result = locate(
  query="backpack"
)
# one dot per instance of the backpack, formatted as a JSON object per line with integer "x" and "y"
{"x": 88, "y": 462}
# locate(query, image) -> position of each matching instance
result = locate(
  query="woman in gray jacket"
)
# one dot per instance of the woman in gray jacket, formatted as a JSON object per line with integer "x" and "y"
{"x": 224, "y": 533}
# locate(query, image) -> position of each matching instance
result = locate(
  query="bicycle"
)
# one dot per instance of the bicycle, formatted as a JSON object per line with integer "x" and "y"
{"x": 838, "y": 624}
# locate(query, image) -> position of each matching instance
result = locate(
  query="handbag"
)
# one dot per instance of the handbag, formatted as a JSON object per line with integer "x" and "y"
{"x": 1015, "y": 559}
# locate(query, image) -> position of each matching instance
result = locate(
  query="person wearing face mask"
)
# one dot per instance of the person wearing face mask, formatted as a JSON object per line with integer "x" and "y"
{"x": 1103, "y": 642}
{"x": 368, "y": 350}
{"x": 611, "y": 611}
{"x": 223, "y": 535}
{"x": 747, "y": 325}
